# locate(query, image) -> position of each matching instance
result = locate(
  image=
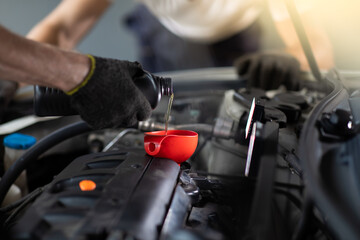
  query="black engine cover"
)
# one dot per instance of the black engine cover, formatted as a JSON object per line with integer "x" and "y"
{"x": 133, "y": 192}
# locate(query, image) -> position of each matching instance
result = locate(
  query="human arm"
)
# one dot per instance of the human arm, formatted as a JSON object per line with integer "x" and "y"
{"x": 64, "y": 27}
{"x": 270, "y": 69}
{"x": 69, "y": 22}
{"x": 319, "y": 43}
{"x": 318, "y": 39}
{"x": 22, "y": 60}
{"x": 105, "y": 95}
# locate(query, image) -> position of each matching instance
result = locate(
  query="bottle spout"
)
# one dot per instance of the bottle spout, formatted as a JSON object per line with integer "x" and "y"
{"x": 166, "y": 86}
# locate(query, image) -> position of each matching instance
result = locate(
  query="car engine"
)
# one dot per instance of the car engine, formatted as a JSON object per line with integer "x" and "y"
{"x": 268, "y": 165}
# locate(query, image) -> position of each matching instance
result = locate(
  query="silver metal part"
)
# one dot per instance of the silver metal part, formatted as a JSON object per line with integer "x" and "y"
{"x": 117, "y": 138}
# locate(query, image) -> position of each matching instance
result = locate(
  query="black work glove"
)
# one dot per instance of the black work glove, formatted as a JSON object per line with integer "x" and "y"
{"x": 108, "y": 96}
{"x": 269, "y": 70}
{"x": 7, "y": 92}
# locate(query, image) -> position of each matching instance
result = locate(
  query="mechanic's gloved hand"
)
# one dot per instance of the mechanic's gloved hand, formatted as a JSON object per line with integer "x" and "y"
{"x": 108, "y": 96}
{"x": 269, "y": 70}
{"x": 7, "y": 92}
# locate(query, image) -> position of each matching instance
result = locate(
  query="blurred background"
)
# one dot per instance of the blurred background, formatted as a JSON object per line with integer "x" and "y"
{"x": 111, "y": 39}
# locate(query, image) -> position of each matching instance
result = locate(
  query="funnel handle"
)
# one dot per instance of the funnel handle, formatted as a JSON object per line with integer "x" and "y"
{"x": 152, "y": 148}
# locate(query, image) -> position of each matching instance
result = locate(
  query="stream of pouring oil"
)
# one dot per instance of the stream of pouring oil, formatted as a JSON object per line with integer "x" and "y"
{"x": 167, "y": 115}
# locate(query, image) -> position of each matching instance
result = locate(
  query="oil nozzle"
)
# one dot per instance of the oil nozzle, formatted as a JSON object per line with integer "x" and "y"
{"x": 166, "y": 86}
{"x": 153, "y": 87}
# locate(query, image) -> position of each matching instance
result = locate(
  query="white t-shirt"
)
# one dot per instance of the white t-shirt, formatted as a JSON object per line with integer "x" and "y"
{"x": 205, "y": 20}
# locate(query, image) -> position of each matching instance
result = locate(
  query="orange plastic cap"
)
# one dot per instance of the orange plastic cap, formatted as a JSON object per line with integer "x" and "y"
{"x": 87, "y": 185}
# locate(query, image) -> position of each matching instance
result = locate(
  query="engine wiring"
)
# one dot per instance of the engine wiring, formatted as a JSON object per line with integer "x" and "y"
{"x": 39, "y": 148}
{"x": 9, "y": 213}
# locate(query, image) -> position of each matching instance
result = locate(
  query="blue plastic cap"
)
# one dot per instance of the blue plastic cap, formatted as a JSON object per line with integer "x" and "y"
{"x": 19, "y": 141}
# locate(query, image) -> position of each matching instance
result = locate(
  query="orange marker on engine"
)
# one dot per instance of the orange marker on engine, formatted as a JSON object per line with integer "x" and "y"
{"x": 87, "y": 185}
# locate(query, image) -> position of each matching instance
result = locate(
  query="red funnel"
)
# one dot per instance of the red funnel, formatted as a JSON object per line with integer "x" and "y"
{"x": 177, "y": 145}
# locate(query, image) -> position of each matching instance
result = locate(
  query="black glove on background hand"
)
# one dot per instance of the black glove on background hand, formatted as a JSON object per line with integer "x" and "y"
{"x": 110, "y": 98}
{"x": 7, "y": 92}
{"x": 269, "y": 70}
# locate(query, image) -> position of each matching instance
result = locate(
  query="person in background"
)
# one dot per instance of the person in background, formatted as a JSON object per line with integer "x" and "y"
{"x": 207, "y": 34}
{"x": 176, "y": 35}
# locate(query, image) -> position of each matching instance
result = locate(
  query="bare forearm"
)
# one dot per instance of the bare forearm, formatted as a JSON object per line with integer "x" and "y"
{"x": 27, "y": 61}
{"x": 317, "y": 36}
{"x": 46, "y": 32}
{"x": 69, "y": 22}
{"x": 323, "y": 55}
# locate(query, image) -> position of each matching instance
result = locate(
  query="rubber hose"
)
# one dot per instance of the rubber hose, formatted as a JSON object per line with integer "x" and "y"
{"x": 35, "y": 151}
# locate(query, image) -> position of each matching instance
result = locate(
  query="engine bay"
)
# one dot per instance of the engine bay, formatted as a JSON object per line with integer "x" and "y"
{"x": 251, "y": 176}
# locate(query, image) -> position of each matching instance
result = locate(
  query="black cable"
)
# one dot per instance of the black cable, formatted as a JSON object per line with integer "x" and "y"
{"x": 293, "y": 162}
{"x": 12, "y": 206}
{"x": 290, "y": 185}
{"x": 34, "y": 152}
{"x": 277, "y": 184}
{"x": 199, "y": 148}
{"x": 10, "y": 219}
{"x": 308, "y": 219}
{"x": 303, "y": 227}
{"x": 295, "y": 200}
{"x": 291, "y": 159}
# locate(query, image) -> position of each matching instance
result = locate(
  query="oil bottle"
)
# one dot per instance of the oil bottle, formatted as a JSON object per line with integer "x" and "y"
{"x": 153, "y": 87}
{"x": 54, "y": 102}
